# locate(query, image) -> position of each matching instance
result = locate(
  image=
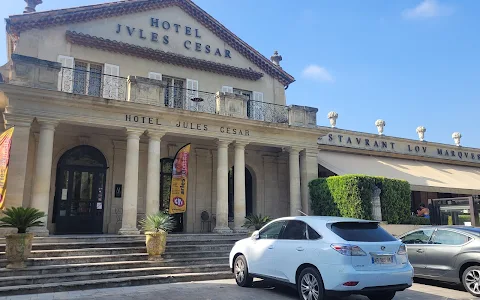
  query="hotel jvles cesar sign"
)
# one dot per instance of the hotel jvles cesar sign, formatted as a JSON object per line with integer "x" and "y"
{"x": 383, "y": 144}
{"x": 165, "y": 26}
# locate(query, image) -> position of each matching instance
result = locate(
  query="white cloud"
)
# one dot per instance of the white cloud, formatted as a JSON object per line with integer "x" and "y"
{"x": 317, "y": 73}
{"x": 427, "y": 9}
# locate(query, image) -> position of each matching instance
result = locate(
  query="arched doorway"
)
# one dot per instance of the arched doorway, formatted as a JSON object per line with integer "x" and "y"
{"x": 248, "y": 193}
{"x": 80, "y": 191}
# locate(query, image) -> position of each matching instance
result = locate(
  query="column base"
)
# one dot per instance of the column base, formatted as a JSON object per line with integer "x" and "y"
{"x": 240, "y": 230}
{"x": 39, "y": 231}
{"x": 129, "y": 231}
{"x": 222, "y": 230}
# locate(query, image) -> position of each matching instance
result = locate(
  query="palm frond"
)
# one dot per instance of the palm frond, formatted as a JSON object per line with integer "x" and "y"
{"x": 21, "y": 218}
{"x": 157, "y": 222}
{"x": 256, "y": 221}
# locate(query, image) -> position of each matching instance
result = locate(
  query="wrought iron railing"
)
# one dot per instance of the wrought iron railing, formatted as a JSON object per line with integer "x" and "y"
{"x": 193, "y": 100}
{"x": 267, "y": 112}
{"x": 91, "y": 83}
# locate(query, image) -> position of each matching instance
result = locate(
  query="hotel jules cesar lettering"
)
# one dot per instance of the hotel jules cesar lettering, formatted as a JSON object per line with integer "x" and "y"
{"x": 187, "y": 125}
{"x": 160, "y": 31}
{"x": 361, "y": 142}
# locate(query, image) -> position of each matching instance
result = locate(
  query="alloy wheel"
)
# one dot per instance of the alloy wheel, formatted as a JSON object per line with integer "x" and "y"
{"x": 309, "y": 287}
{"x": 239, "y": 270}
{"x": 472, "y": 281}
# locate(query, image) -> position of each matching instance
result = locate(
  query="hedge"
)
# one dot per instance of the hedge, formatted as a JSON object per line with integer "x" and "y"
{"x": 351, "y": 196}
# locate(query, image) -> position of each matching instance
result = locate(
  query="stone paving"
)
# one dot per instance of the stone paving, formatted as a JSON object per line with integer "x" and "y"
{"x": 227, "y": 289}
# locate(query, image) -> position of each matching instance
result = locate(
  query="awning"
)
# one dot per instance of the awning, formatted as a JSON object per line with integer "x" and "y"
{"x": 422, "y": 176}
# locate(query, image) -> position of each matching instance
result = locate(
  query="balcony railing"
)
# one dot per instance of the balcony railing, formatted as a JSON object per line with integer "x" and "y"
{"x": 267, "y": 112}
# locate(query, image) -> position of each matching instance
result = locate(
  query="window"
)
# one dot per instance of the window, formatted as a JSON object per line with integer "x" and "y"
{"x": 418, "y": 237}
{"x": 166, "y": 166}
{"x": 87, "y": 78}
{"x": 174, "y": 92}
{"x": 295, "y": 230}
{"x": 272, "y": 231}
{"x": 361, "y": 232}
{"x": 446, "y": 237}
{"x": 312, "y": 234}
{"x": 247, "y": 94}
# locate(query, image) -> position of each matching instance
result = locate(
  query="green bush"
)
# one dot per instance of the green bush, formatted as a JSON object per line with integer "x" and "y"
{"x": 414, "y": 220}
{"x": 350, "y": 196}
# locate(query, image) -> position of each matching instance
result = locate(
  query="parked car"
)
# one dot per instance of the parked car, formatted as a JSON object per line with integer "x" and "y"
{"x": 321, "y": 256}
{"x": 446, "y": 253}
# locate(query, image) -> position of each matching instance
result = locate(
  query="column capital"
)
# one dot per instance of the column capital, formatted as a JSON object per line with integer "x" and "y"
{"x": 133, "y": 133}
{"x": 47, "y": 124}
{"x": 240, "y": 144}
{"x": 155, "y": 135}
{"x": 18, "y": 121}
{"x": 294, "y": 149}
{"x": 223, "y": 143}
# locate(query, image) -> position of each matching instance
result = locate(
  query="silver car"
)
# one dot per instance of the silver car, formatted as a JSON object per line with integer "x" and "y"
{"x": 446, "y": 253}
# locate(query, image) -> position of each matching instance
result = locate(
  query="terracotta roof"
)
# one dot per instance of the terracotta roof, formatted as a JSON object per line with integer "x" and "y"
{"x": 18, "y": 23}
{"x": 159, "y": 55}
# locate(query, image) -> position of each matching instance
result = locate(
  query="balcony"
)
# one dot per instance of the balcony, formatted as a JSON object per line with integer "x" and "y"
{"x": 28, "y": 71}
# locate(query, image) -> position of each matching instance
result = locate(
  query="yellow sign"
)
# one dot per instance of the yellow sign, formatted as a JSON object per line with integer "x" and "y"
{"x": 178, "y": 191}
{"x": 5, "y": 143}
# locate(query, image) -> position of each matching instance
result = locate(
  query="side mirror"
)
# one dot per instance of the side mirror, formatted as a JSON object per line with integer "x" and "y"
{"x": 255, "y": 235}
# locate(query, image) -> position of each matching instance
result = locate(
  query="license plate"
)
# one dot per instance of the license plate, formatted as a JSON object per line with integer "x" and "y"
{"x": 382, "y": 260}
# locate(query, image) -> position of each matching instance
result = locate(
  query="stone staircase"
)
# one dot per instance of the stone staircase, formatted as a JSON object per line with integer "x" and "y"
{"x": 65, "y": 263}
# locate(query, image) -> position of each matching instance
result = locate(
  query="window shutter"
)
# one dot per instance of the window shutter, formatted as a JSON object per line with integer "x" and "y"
{"x": 192, "y": 92}
{"x": 156, "y": 76}
{"x": 227, "y": 89}
{"x": 258, "y": 106}
{"x": 65, "y": 76}
{"x": 111, "y": 81}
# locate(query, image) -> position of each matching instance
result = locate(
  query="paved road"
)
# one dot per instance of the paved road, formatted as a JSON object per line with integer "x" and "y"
{"x": 227, "y": 289}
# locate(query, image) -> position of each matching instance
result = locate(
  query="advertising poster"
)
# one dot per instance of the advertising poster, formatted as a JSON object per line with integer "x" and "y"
{"x": 178, "y": 192}
{"x": 5, "y": 143}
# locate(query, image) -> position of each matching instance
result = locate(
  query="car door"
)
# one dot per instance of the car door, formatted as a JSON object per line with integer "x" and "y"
{"x": 416, "y": 242}
{"x": 260, "y": 254}
{"x": 442, "y": 252}
{"x": 291, "y": 249}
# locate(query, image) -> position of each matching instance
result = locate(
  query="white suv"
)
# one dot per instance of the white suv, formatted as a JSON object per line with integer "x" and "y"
{"x": 321, "y": 256}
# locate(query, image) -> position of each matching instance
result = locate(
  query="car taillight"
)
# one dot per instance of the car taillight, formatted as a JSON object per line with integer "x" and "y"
{"x": 402, "y": 250}
{"x": 348, "y": 250}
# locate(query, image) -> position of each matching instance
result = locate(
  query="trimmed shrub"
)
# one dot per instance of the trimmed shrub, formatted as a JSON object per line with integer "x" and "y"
{"x": 414, "y": 220}
{"x": 351, "y": 196}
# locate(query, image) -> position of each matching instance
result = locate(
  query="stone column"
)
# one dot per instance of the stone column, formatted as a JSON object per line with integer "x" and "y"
{"x": 221, "y": 225}
{"x": 309, "y": 172}
{"x": 130, "y": 194}
{"x": 294, "y": 168}
{"x": 17, "y": 167}
{"x": 153, "y": 172}
{"x": 239, "y": 206}
{"x": 43, "y": 173}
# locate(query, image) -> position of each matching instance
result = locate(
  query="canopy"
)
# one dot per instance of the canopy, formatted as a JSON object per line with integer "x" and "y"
{"x": 422, "y": 176}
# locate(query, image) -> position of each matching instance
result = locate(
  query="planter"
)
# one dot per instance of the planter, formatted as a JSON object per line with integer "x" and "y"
{"x": 156, "y": 243}
{"x": 18, "y": 249}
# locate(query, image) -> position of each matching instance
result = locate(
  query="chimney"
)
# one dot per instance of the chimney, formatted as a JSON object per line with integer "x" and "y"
{"x": 31, "y": 5}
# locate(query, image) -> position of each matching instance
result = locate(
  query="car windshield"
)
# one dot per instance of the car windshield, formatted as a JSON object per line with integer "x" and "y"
{"x": 361, "y": 232}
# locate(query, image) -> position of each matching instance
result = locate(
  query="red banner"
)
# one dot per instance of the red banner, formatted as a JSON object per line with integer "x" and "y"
{"x": 5, "y": 144}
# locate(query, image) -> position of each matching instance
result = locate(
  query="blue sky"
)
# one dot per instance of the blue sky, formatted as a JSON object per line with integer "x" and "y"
{"x": 409, "y": 62}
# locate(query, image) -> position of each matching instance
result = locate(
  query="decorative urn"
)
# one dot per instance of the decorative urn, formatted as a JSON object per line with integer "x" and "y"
{"x": 421, "y": 132}
{"x": 333, "y": 116}
{"x": 456, "y": 136}
{"x": 380, "y": 125}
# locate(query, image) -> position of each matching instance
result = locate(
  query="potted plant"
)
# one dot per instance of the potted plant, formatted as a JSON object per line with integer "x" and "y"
{"x": 19, "y": 245}
{"x": 156, "y": 227}
{"x": 256, "y": 221}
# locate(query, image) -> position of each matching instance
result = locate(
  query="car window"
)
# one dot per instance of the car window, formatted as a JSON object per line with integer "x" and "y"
{"x": 361, "y": 232}
{"x": 295, "y": 230}
{"x": 418, "y": 237}
{"x": 312, "y": 234}
{"x": 272, "y": 231}
{"x": 447, "y": 237}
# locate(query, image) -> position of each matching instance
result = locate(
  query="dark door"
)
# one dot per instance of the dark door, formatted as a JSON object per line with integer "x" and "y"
{"x": 80, "y": 191}
{"x": 166, "y": 166}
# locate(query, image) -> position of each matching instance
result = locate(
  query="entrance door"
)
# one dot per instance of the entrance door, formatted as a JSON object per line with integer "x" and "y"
{"x": 166, "y": 166}
{"x": 80, "y": 191}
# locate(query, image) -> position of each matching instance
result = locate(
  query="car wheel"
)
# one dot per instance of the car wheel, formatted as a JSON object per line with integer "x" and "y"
{"x": 310, "y": 285}
{"x": 240, "y": 270}
{"x": 382, "y": 296}
{"x": 471, "y": 280}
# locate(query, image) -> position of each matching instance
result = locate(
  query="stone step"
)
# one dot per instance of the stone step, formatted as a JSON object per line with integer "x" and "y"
{"x": 115, "y": 265}
{"x": 107, "y": 274}
{"x": 124, "y": 250}
{"x": 105, "y": 238}
{"x": 122, "y": 244}
{"x": 111, "y": 282}
{"x": 63, "y": 260}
